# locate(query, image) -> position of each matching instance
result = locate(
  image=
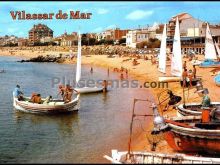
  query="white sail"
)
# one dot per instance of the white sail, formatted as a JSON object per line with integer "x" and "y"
{"x": 176, "y": 63}
{"x": 78, "y": 65}
{"x": 162, "y": 55}
{"x": 217, "y": 48}
{"x": 210, "y": 52}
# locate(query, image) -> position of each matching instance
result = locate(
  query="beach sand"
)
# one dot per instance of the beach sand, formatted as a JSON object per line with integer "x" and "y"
{"x": 143, "y": 72}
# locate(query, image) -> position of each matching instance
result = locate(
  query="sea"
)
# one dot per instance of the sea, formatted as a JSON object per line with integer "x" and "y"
{"x": 101, "y": 124}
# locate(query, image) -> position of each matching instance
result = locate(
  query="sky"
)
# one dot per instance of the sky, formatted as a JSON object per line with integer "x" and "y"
{"x": 105, "y": 14}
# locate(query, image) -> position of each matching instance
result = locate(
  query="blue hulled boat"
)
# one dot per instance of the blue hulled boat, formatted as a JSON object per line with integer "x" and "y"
{"x": 217, "y": 80}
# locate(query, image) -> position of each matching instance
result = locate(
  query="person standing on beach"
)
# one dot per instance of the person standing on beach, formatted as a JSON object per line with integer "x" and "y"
{"x": 91, "y": 70}
{"x": 108, "y": 71}
{"x": 105, "y": 85}
{"x": 121, "y": 76}
{"x": 126, "y": 72}
{"x": 190, "y": 76}
{"x": 184, "y": 65}
{"x": 184, "y": 77}
{"x": 194, "y": 71}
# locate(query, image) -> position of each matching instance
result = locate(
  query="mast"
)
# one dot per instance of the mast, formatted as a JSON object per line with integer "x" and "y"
{"x": 176, "y": 64}
{"x": 162, "y": 55}
{"x": 78, "y": 65}
{"x": 210, "y": 52}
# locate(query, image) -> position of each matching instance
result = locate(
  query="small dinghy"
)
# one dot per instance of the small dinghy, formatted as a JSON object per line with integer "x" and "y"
{"x": 2, "y": 71}
{"x": 196, "y": 62}
{"x": 54, "y": 106}
{"x": 217, "y": 80}
{"x": 89, "y": 90}
{"x": 194, "y": 109}
{"x": 169, "y": 79}
{"x": 209, "y": 64}
{"x": 83, "y": 90}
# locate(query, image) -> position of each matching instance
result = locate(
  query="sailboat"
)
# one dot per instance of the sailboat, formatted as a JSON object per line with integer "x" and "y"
{"x": 78, "y": 73}
{"x": 210, "y": 52}
{"x": 176, "y": 61}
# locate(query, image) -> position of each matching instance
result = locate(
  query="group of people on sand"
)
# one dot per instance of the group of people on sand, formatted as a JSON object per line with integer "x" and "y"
{"x": 123, "y": 71}
{"x": 188, "y": 76}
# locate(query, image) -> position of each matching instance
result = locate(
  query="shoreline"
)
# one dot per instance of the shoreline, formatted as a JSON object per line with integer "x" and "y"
{"x": 142, "y": 72}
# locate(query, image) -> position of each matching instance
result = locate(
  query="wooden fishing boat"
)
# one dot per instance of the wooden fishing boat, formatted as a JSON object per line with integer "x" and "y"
{"x": 157, "y": 158}
{"x": 54, "y": 106}
{"x": 169, "y": 79}
{"x": 189, "y": 134}
{"x": 89, "y": 90}
{"x": 194, "y": 109}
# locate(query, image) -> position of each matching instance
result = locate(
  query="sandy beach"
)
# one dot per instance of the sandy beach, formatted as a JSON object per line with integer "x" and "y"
{"x": 143, "y": 72}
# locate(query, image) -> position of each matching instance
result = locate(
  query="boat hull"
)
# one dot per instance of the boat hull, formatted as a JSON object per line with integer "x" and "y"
{"x": 217, "y": 80}
{"x": 193, "y": 140}
{"x": 158, "y": 158}
{"x": 56, "y": 106}
{"x": 196, "y": 62}
{"x": 89, "y": 90}
{"x": 193, "y": 109}
{"x": 169, "y": 79}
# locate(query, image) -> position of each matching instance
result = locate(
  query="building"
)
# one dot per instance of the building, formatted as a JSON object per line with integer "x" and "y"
{"x": 136, "y": 36}
{"x": 22, "y": 42}
{"x": 39, "y": 31}
{"x": 8, "y": 40}
{"x": 192, "y": 33}
{"x": 69, "y": 39}
{"x": 46, "y": 39}
{"x": 186, "y": 21}
{"x": 112, "y": 34}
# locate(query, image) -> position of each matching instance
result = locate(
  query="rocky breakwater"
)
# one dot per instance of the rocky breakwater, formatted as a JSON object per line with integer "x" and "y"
{"x": 48, "y": 58}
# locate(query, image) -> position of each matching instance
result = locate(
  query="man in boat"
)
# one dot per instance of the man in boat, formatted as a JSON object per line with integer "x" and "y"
{"x": 36, "y": 98}
{"x": 68, "y": 93}
{"x": 61, "y": 91}
{"x": 17, "y": 93}
{"x": 206, "y": 102}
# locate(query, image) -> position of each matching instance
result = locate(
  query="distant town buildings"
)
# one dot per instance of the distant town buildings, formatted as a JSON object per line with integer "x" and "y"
{"x": 192, "y": 32}
{"x": 38, "y": 32}
{"x": 68, "y": 39}
{"x": 136, "y": 36}
{"x": 112, "y": 34}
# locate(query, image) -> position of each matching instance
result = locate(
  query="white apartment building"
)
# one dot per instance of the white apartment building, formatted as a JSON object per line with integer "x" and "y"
{"x": 135, "y": 37}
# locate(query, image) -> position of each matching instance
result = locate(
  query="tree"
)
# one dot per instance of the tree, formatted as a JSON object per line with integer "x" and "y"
{"x": 122, "y": 40}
